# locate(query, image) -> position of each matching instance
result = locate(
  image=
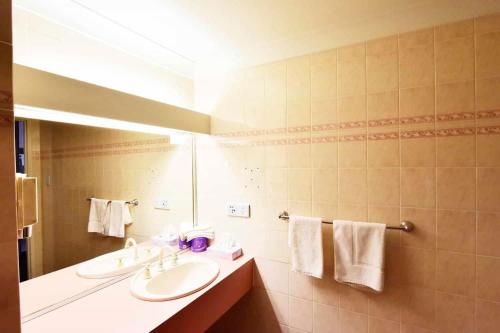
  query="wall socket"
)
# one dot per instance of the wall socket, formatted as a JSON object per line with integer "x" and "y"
{"x": 161, "y": 203}
{"x": 238, "y": 210}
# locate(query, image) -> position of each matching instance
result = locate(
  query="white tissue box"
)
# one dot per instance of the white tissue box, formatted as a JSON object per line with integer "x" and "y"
{"x": 231, "y": 253}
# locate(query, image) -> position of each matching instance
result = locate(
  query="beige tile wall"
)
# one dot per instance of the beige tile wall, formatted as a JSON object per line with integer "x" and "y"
{"x": 9, "y": 278}
{"x": 83, "y": 162}
{"x": 401, "y": 128}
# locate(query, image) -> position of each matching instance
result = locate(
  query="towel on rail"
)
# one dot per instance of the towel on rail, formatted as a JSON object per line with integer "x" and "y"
{"x": 359, "y": 253}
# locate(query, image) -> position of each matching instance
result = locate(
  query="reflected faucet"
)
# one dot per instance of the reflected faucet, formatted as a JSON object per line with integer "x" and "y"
{"x": 130, "y": 242}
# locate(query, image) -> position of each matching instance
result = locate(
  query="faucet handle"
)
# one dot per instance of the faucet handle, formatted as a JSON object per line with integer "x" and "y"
{"x": 147, "y": 271}
{"x": 174, "y": 259}
{"x": 120, "y": 262}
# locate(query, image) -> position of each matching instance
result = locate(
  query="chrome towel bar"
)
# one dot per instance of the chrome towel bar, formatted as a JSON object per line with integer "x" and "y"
{"x": 133, "y": 202}
{"x": 404, "y": 226}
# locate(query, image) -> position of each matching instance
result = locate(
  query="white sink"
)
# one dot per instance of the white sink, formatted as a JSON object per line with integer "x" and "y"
{"x": 187, "y": 277}
{"x": 117, "y": 263}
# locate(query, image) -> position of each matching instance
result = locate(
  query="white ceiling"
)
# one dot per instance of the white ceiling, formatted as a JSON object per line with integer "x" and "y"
{"x": 181, "y": 34}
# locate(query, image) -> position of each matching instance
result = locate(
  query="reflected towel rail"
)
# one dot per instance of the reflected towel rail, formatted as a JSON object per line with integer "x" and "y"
{"x": 406, "y": 226}
{"x": 133, "y": 202}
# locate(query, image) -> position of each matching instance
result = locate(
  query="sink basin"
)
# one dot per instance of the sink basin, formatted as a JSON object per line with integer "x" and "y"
{"x": 185, "y": 278}
{"x": 117, "y": 263}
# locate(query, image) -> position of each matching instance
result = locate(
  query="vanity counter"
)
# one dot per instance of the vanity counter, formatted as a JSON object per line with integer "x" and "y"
{"x": 52, "y": 288}
{"x": 114, "y": 309}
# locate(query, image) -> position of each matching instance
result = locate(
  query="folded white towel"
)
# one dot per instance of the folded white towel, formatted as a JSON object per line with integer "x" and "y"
{"x": 359, "y": 253}
{"x": 187, "y": 233}
{"x": 305, "y": 242}
{"x": 97, "y": 215}
{"x": 118, "y": 217}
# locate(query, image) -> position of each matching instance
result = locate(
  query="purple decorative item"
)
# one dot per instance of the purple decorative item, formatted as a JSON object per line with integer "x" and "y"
{"x": 199, "y": 244}
{"x": 184, "y": 244}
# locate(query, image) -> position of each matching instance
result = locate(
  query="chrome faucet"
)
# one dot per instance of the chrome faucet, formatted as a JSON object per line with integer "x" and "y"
{"x": 130, "y": 242}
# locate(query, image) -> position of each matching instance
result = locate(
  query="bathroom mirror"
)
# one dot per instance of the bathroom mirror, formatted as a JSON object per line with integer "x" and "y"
{"x": 74, "y": 163}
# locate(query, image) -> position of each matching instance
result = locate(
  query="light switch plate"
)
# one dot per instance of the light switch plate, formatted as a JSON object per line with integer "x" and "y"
{"x": 161, "y": 203}
{"x": 238, "y": 209}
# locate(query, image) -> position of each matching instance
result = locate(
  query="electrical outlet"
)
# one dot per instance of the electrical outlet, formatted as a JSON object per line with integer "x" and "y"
{"x": 238, "y": 210}
{"x": 161, "y": 203}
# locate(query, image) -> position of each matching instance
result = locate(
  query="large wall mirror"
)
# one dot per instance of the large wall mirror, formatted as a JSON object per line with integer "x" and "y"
{"x": 72, "y": 164}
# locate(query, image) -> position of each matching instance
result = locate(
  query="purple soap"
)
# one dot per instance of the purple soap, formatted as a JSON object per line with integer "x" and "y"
{"x": 184, "y": 244}
{"x": 199, "y": 244}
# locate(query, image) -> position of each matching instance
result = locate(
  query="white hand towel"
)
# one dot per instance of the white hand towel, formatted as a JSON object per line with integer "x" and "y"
{"x": 97, "y": 215}
{"x": 118, "y": 217}
{"x": 305, "y": 242}
{"x": 359, "y": 253}
{"x": 188, "y": 232}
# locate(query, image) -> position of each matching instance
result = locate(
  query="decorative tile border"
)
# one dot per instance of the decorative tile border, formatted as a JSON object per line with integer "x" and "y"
{"x": 455, "y": 131}
{"x": 109, "y": 149}
{"x": 456, "y": 116}
{"x": 417, "y": 134}
{"x": 488, "y": 130}
{"x": 383, "y": 122}
{"x": 487, "y": 114}
{"x": 383, "y": 136}
{"x": 105, "y": 146}
{"x": 414, "y": 134}
{"x": 417, "y": 120}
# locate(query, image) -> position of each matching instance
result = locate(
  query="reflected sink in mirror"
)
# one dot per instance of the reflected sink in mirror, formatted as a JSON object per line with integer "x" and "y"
{"x": 118, "y": 262}
{"x": 183, "y": 278}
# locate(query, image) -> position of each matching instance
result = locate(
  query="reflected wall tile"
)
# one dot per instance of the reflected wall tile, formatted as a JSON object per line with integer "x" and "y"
{"x": 455, "y": 97}
{"x": 419, "y": 308}
{"x": 352, "y": 186}
{"x": 455, "y": 60}
{"x": 386, "y": 305}
{"x": 488, "y": 150}
{"x": 487, "y": 97}
{"x": 382, "y": 326}
{"x": 455, "y": 273}
{"x": 299, "y": 184}
{"x": 454, "y": 30}
{"x": 488, "y": 189}
{"x": 456, "y": 231}
{"x": 325, "y": 185}
{"x": 326, "y": 291}
{"x": 383, "y": 186}
{"x": 456, "y": 188}
{"x": 488, "y": 278}
{"x": 301, "y": 314}
{"x": 352, "y": 322}
{"x": 456, "y": 151}
{"x": 487, "y": 23}
{"x": 487, "y": 55}
{"x": 383, "y": 153}
{"x": 454, "y": 313}
{"x": 353, "y": 299}
{"x": 418, "y": 187}
{"x": 301, "y": 286}
{"x": 416, "y": 58}
{"x": 487, "y": 316}
{"x": 324, "y": 155}
{"x": 352, "y": 154}
{"x": 488, "y": 234}
{"x": 418, "y": 152}
{"x": 325, "y": 318}
{"x": 418, "y": 267}
{"x": 415, "y": 102}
